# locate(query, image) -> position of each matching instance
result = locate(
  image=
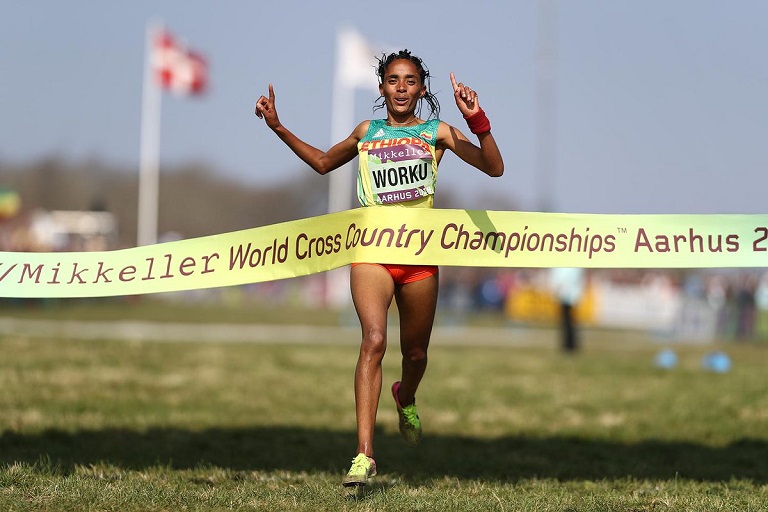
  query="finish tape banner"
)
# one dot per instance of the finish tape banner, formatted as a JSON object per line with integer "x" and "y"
{"x": 394, "y": 235}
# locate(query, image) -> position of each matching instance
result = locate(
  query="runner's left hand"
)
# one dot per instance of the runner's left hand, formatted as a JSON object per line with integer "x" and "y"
{"x": 466, "y": 98}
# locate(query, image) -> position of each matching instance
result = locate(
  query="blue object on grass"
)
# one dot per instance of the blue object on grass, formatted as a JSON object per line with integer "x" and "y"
{"x": 666, "y": 359}
{"x": 717, "y": 362}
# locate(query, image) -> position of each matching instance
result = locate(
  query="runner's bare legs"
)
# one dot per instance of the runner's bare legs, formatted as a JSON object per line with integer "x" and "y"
{"x": 416, "y": 303}
{"x": 372, "y": 293}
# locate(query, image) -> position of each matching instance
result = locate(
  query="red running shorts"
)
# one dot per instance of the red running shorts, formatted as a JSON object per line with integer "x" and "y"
{"x": 403, "y": 274}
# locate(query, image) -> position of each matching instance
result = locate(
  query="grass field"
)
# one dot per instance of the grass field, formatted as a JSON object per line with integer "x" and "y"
{"x": 511, "y": 424}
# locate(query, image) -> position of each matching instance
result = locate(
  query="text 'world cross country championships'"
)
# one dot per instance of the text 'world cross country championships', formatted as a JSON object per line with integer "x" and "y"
{"x": 96, "y": 268}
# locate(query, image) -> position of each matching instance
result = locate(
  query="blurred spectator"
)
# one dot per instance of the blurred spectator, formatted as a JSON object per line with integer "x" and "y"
{"x": 761, "y": 305}
{"x": 697, "y": 319}
{"x": 568, "y": 284}
{"x": 745, "y": 299}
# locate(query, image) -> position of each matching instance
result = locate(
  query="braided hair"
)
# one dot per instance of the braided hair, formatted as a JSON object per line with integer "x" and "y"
{"x": 386, "y": 59}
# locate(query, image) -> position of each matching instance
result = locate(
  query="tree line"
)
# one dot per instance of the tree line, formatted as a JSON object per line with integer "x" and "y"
{"x": 194, "y": 199}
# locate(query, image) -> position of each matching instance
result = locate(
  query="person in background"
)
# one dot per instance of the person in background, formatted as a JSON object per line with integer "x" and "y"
{"x": 568, "y": 285}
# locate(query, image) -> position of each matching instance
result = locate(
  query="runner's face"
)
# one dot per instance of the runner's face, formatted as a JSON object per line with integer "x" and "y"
{"x": 402, "y": 88}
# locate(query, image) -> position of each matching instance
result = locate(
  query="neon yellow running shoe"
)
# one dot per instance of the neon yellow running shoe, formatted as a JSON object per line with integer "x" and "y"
{"x": 410, "y": 424}
{"x": 363, "y": 468}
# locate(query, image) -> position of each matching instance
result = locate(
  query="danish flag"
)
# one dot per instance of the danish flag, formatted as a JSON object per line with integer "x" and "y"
{"x": 177, "y": 68}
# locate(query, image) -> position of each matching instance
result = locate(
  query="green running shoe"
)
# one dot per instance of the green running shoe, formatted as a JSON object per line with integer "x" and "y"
{"x": 363, "y": 468}
{"x": 410, "y": 424}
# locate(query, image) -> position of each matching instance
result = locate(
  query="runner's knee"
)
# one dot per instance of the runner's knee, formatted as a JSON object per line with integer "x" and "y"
{"x": 374, "y": 343}
{"x": 415, "y": 354}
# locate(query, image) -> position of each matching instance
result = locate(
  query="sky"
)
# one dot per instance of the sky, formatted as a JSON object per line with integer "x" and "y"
{"x": 659, "y": 106}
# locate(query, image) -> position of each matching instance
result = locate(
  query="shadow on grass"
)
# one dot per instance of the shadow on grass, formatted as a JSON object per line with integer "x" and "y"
{"x": 301, "y": 449}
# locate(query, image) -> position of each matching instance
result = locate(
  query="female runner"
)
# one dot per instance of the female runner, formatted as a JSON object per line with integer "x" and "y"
{"x": 402, "y": 139}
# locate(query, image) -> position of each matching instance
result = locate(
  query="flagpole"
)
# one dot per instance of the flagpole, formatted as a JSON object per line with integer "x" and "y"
{"x": 340, "y": 180}
{"x": 149, "y": 163}
{"x": 546, "y": 104}
{"x": 342, "y": 120}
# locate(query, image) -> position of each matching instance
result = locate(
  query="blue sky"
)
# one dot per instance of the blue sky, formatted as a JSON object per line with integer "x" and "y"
{"x": 661, "y": 106}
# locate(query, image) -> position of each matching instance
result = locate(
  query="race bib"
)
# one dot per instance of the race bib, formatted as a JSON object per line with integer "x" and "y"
{"x": 400, "y": 173}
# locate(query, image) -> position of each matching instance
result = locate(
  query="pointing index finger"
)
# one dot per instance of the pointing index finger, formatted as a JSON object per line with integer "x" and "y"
{"x": 271, "y": 93}
{"x": 453, "y": 82}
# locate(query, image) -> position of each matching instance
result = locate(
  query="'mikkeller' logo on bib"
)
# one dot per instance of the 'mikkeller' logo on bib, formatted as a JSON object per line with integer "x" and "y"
{"x": 400, "y": 173}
